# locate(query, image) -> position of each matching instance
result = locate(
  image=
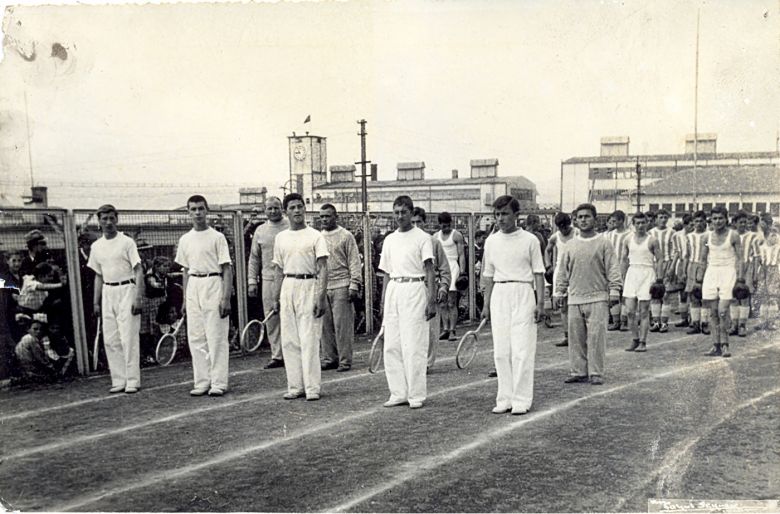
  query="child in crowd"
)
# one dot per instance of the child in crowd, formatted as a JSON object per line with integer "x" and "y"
{"x": 35, "y": 365}
{"x": 156, "y": 294}
{"x": 35, "y": 287}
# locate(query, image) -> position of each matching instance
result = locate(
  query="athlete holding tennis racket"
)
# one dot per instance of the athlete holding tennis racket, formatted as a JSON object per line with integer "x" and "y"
{"x": 513, "y": 259}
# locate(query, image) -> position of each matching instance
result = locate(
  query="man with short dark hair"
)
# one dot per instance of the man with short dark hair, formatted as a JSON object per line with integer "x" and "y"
{"x": 37, "y": 251}
{"x": 118, "y": 299}
{"x": 407, "y": 259}
{"x": 554, "y": 250}
{"x": 204, "y": 255}
{"x": 345, "y": 275}
{"x": 661, "y": 309}
{"x": 590, "y": 278}
{"x": 300, "y": 288}
{"x": 453, "y": 243}
{"x": 696, "y": 264}
{"x": 740, "y": 308}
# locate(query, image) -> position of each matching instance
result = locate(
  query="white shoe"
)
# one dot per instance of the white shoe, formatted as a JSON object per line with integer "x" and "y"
{"x": 394, "y": 403}
{"x": 216, "y": 391}
{"x": 131, "y": 390}
{"x": 501, "y": 410}
{"x": 198, "y": 392}
{"x": 116, "y": 389}
{"x": 312, "y": 397}
{"x": 519, "y": 412}
{"x": 415, "y": 405}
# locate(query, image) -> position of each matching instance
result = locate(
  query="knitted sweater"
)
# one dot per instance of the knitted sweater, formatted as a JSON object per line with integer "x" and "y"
{"x": 589, "y": 271}
{"x": 344, "y": 268}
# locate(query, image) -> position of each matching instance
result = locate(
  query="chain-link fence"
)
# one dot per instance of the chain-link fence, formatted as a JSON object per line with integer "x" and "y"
{"x": 63, "y": 239}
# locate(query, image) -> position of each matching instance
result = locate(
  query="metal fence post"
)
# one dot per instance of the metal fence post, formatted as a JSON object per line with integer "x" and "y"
{"x": 368, "y": 274}
{"x": 472, "y": 271}
{"x": 74, "y": 286}
{"x": 240, "y": 267}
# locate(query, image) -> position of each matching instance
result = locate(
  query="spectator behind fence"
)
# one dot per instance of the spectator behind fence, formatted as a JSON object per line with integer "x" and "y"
{"x": 35, "y": 287}
{"x": 156, "y": 295}
{"x": 58, "y": 348}
{"x": 34, "y": 364}
{"x": 37, "y": 251}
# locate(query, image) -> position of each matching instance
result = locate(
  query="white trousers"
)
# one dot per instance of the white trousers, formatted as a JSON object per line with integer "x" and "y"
{"x": 207, "y": 333}
{"x": 406, "y": 340}
{"x": 514, "y": 343}
{"x": 301, "y": 334}
{"x": 121, "y": 335}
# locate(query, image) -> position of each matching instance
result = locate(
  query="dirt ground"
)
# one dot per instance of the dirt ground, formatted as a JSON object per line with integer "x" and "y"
{"x": 670, "y": 423}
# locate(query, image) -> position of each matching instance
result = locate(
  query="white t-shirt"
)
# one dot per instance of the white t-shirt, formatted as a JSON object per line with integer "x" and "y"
{"x": 404, "y": 253}
{"x": 297, "y": 251}
{"x": 203, "y": 251}
{"x": 114, "y": 259}
{"x": 514, "y": 256}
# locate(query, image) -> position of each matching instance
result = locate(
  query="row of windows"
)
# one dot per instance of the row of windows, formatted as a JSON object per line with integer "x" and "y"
{"x": 733, "y": 207}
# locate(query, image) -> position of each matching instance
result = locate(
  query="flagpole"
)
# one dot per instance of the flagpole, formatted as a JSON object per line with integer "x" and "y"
{"x": 696, "y": 111}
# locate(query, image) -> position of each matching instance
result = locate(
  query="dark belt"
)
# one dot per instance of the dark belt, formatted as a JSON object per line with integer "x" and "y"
{"x": 122, "y": 283}
{"x": 512, "y": 282}
{"x": 407, "y": 279}
{"x": 204, "y": 275}
{"x": 301, "y": 276}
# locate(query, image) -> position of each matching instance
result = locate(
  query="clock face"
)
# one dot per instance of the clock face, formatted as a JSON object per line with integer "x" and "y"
{"x": 299, "y": 152}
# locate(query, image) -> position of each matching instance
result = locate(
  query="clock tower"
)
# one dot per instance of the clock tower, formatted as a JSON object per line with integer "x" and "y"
{"x": 308, "y": 165}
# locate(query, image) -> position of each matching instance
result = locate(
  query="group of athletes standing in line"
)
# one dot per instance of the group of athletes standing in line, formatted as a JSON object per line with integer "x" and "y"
{"x": 309, "y": 278}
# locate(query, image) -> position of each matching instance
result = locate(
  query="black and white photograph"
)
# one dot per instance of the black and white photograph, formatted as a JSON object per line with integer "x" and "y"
{"x": 390, "y": 256}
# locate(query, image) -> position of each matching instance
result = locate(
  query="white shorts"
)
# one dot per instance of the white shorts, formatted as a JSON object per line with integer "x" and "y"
{"x": 454, "y": 274}
{"x": 638, "y": 282}
{"x": 718, "y": 283}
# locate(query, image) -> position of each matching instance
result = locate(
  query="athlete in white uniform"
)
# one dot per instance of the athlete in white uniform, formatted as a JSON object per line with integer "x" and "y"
{"x": 642, "y": 263}
{"x": 554, "y": 251}
{"x": 442, "y": 269}
{"x": 118, "y": 297}
{"x": 301, "y": 284}
{"x": 661, "y": 309}
{"x": 724, "y": 268}
{"x": 617, "y": 237}
{"x": 452, "y": 243}
{"x": 513, "y": 259}
{"x": 409, "y": 302}
{"x": 208, "y": 281}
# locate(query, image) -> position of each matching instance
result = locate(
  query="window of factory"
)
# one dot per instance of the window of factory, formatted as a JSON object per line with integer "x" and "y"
{"x": 706, "y": 207}
{"x": 733, "y": 207}
{"x": 748, "y": 206}
{"x": 721, "y": 204}
{"x": 679, "y": 208}
{"x": 667, "y": 206}
{"x": 653, "y": 207}
{"x": 774, "y": 209}
{"x": 760, "y": 207}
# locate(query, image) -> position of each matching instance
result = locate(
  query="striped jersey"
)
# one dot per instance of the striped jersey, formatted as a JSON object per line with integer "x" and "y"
{"x": 696, "y": 246}
{"x": 664, "y": 238}
{"x": 617, "y": 240}
{"x": 749, "y": 246}
{"x": 680, "y": 245}
{"x": 770, "y": 255}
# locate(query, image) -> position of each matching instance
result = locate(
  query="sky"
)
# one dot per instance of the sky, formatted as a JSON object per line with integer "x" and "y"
{"x": 170, "y": 96}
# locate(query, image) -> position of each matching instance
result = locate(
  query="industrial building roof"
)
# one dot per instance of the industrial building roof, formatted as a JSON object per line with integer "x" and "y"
{"x": 514, "y": 181}
{"x": 719, "y": 180}
{"x": 672, "y": 157}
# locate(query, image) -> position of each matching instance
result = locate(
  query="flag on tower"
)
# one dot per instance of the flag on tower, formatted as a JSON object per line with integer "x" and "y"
{"x": 308, "y": 118}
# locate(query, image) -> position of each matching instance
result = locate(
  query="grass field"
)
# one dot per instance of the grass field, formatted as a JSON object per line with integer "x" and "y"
{"x": 669, "y": 423}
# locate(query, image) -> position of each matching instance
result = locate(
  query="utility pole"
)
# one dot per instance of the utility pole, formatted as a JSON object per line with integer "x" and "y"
{"x": 696, "y": 112}
{"x": 638, "y": 186}
{"x": 29, "y": 146}
{"x": 363, "y": 162}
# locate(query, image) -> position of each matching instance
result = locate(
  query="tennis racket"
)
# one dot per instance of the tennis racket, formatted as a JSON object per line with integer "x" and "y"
{"x": 96, "y": 347}
{"x": 377, "y": 349}
{"x": 253, "y": 333}
{"x": 167, "y": 345}
{"x": 467, "y": 347}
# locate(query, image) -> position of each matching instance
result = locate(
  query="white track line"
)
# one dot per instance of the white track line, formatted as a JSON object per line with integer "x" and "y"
{"x": 72, "y": 441}
{"x": 681, "y": 452}
{"x": 155, "y": 478}
{"x": 411, "y": 470}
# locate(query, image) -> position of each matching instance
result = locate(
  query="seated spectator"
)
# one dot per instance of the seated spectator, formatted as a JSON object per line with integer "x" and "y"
{"x": 58, "y": 348}
{"x": 35, "y": 365}
{"x": 35, "y": 287}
